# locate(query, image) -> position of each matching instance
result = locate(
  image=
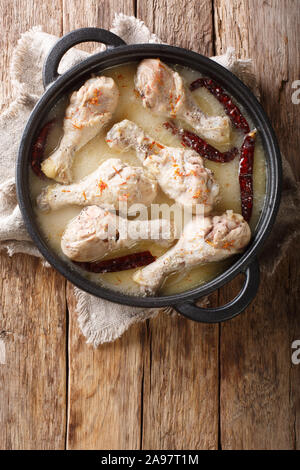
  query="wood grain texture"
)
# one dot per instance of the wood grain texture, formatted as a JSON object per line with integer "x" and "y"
{"x": 182, "y": 357}
{"x": 158, "y": 386}
{"x": 259, "y": 398}
{"x": 294, "y": 333}
{"x": 180, "y": 399}
{"x": 271, "y": 38}
{"x": 104, "y": 390}
{"x": 33, "y": 375}
{"x": 104, "y": 384}
{"x": 33, "y": 305}
{"x": 184, "y": 23}
{"x": 17, "y": 17}
{"x": 86, "y": 13}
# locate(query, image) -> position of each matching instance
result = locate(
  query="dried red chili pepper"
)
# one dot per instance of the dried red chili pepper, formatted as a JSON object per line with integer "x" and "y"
{"x": 245, "y": 174}
{"x": 39, "y": 148}
{"x": 204, "y": 149}
{"x": 231, "y": 109}
{"x": 131, "y": 261}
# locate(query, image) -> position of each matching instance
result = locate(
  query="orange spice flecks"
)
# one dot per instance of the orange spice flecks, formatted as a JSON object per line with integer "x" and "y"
{"x": 171, "y": 105}
{"x": 173, "y": 108}
{"x": 102, "y": 185}
{"x": 117, "y": 171}
{"x": 84, "y": 195}
{"x": 159, "y": 146}
{"x": 80, "y": 126}
{"x": 95, "y": 99}
{"x": 197, "y": 194}
{"x": 65, "y": 191}
{"x": 178, "y": 172}
{"x": 228, "y": 245}
{"x": 159, "y": 76}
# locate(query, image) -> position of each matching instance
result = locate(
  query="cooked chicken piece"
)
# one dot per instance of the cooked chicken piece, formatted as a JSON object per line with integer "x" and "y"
{"x": 179, "y": 172}
{"x": 204, "y": 239}
{"x": 95, "y": 232}
{"x": 90, "y": 108}
{"x": 163, "y": 91}
{"x": 112, "y": 182}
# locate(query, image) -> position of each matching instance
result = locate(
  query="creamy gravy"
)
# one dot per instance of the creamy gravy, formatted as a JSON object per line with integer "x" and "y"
{"x": 96, "y": 151}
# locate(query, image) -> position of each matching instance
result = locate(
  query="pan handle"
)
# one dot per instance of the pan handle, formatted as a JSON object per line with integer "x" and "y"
{"x": 71, "y": 39}
{"x": 230, "y": 310}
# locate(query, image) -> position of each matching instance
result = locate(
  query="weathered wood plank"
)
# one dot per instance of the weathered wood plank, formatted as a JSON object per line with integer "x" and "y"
{"x": 259, "y": 396}
{"x": 260, "y": 399}
{"x": 104, "y": 390}
{"x": 32, "y": 305}
{"x": 271, "y": 37}
{"x": 16, "y": 18}
{"x": 294, "y": 331}
{"x": 104, "y": 384}
{"x": 181, "y": 385}
{"x": 33, "y": 365}
{"x": 184, "y": 23}
{"x": 181, "y": 366}
{"x": 83, "y": 13}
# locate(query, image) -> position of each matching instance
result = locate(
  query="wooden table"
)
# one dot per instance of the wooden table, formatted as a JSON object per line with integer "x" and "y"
{"x": 168, "y": 383}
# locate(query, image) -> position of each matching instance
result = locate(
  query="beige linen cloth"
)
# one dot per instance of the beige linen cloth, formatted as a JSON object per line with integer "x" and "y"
{"x": 102, "y": 321}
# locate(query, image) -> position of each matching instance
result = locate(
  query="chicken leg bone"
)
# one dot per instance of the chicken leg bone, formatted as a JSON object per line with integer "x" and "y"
{"x": 180, "y": 172}
{"x": 111, "y": 183}
{"x": 163, "y": 92}
{"x": 205, "y": 239}
{"x": 96, "y": 232}
{"x": 90, "y": 108}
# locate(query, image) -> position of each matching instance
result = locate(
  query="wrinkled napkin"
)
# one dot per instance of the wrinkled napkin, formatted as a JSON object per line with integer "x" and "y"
{"x": 100, "y": 320}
